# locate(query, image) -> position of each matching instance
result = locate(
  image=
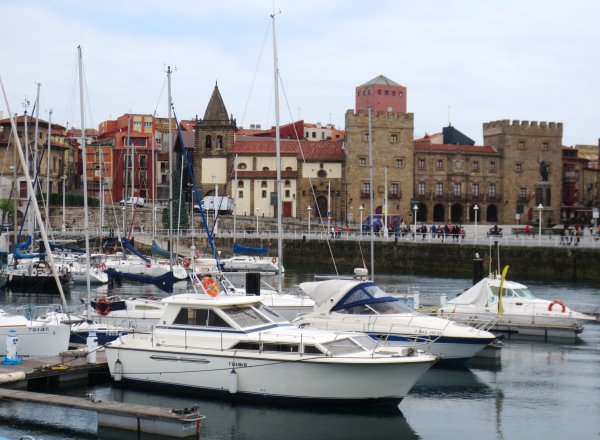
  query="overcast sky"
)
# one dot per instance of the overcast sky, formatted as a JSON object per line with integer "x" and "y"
{"x": 465, "y": 61}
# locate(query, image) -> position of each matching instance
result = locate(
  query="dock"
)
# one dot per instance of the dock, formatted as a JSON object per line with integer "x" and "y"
{"x": 72, "y": 365}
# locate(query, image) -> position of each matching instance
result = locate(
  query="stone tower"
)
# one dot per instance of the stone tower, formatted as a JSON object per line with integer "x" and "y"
{"x": 531, "y": 168}
{"x": 392, "y": 144}
{"x": 215, "y": 135}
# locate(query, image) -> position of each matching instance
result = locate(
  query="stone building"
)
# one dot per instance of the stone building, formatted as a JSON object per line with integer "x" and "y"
{"x": 531, "y": 168}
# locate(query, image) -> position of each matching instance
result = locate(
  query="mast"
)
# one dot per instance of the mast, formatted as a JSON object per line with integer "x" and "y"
{"x": 35, "y": 143}
{"x": 34, "y": 200}
{"x": 233, "y": 195}
{"x": 126, "y": 174}
{"x": 385, "y": 203}
{"x": 278, "y": 164}
{"x": 170, "y": 172}
{"x": 48, "y": 168}
{"x": 85, "y": 192}
{"x": 27, "y": 164}
{"x": 371, "y": 199}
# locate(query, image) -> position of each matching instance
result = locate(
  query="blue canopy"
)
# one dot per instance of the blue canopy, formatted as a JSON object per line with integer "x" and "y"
{"x": 237, "y": 249}
{"x": 24, "y": 245}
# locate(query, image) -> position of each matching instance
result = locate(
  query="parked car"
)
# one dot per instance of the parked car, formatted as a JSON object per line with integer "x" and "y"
{"x": 137, "y": 201}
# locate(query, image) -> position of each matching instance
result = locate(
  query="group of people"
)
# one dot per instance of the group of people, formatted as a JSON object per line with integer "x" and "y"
{"x": 571, "y": 236}
{"x": 335, "y": 231}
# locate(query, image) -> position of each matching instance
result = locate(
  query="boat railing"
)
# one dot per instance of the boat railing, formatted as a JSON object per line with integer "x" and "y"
{"x": 32, "y": 312}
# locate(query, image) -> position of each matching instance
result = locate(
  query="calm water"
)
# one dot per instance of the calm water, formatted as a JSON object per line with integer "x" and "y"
{"x": 539, "y": 390}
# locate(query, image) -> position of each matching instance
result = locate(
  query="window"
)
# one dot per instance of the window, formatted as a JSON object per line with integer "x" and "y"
{"x": 492, "y": 167}
{"x": 475, "y": 189}
{"x": 143, "y": 161}
{"x": 492, "y": 190}
{"x": 394, "y": 187}
{"x": 421, "y": 188}
{"x": 393, "y": 93}
{"x": 23, "y": 189}
{"x": 241, "y": 194}
{"x": 439, "y": 189}
{"x": 263, "y": 183}
{"x": 287, "y": 193}
{"x": 518, "y": 167}
{"x": 265, "y": 169}
{"x": 288, "y": 169}
{"x": 240, "y": 183}
{"x": 456, "y": 189}
{"x": 263, "y": 194}
{"x": 366, "y": 136}
{"x": 219, "y": 142}
{"x": 287, "y": 183}
{"x": 439, "y": 164}
{"x": 323, "y": 173}
{"x": 208, "y": 142}
{"x": 545, "y": 146}
{"x": 421, "y": 164}
{"x": 522, "y": 192}
{"x": 365, "y": 189}
{"x": 521, "y": 145}
{"x": 307, "y": 134}
{"x": 475, "y": 165}
{"x": 147, "y": 124}
{"x": 362, "y": 162}
{"x": 242, "y": 166}
{"x": 399, "y": 93}
{"x": 314, "y": 134}
{"x": 393, "y": 138}
{"x": 369, "y": 92}
{"x": 387, "y": 92}
{"x": 399, "y": 162}
{"x": 200, "y": 317}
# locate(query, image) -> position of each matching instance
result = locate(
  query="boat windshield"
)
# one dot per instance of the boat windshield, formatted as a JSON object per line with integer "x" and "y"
{"x": 270, "y": 313}
{"x": 342, "y": 346}
{"x": 245, "y": 316}
{"x": 517, "y": 292}
{"x": 368, "y": 299}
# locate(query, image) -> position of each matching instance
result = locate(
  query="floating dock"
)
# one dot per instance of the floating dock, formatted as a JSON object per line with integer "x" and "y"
{"x": 162, "y": 422}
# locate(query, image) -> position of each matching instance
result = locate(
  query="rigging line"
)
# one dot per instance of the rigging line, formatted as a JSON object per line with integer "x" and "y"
{"x": 327, "y": 240}
{"x": 160, "y": 96}
{"x": 255, "y": 73}
{"x": 87, "y": 94}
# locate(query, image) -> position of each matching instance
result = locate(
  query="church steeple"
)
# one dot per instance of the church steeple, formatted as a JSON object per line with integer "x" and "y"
{"x": 215, "y": 110}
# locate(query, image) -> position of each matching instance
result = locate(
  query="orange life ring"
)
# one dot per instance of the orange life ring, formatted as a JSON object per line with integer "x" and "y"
{"x": 210, "y": 286}
{"x": 274, "y": 260}
{"x": 103, "y": 306}
{"x": 186, "y": 262}
{"x": 557, "y": 301}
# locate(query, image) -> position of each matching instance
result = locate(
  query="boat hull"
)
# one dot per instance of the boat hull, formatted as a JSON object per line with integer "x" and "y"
{"x": 40, "y": 284}
{"x": 235, "y": 375}
{"x": 37, "y": 341}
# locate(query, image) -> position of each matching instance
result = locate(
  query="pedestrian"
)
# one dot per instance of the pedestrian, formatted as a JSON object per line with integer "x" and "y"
{"x": 337, "y": 232}
{"x": 527, "y": 230}
{"x": 332, "y": 232}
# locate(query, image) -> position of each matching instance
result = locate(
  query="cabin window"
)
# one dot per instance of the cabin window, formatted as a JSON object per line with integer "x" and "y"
{"x": 311, "y": 349}
{"x": 245, "y": 316}
{"x": 281, "y": 348}
{"x": 269, "y": 313}
{"x": 343, "y": 346}
{"x": 200, "y": 317}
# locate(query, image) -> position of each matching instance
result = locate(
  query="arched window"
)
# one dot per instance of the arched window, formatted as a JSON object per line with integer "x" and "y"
{"x": 439, "y": 213}
{"x": 492, "y": 213}
{"x": 208, "y": 142}
{"x": 265, "y": 168}
{"x": 288, "y": 169}
{"x": 322, "y": 173}
{"x": 240, "y": 183}
{"x": 263, "y": 184}
{"x": 242, "y": 166}
{"x": 287, "y": 183}
{"x": 219, "y": 141}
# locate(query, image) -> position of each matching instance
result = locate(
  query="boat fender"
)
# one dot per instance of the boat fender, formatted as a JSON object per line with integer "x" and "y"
{"x": 12, "y": 377}
{"x": 274, "y": 260}
{"x": 210, "y": 286}
{"x": 559, "y": 302}
{"x": 118, "y": 374}
{"x": 103, "y": 306}
{"x": 233, "y": 382}
{"x": 103, "y": 266}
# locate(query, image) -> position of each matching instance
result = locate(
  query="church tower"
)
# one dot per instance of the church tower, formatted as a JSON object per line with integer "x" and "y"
{"x": 215, "y": 135}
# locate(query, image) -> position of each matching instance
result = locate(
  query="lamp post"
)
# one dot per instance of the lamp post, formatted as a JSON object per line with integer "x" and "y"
{"x": 475, "y": 208}
{"x": 540, "y": 208}
{"x": 309, "y": 208}
{"x": 361, "y": 223}
{"x": 415, "y": 208}
{"x": 257, "y": 212}
{"x": 123, "y": 211}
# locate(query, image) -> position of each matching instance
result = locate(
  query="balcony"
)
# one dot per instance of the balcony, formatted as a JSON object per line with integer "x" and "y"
{"x": 523, "y": 197}
{"x": 494, "y": 197}
{"x": 423, "y": 196}
{"x": 364, "y": 195}
{"x": 395, "y": 196}
{"x": 439, "y": 196}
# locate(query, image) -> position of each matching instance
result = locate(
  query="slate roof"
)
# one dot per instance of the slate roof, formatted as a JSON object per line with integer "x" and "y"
{"x": 382, "y": 80}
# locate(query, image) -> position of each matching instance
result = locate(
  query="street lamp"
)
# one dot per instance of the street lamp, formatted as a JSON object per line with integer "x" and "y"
{"x": 415, "y": 208}
{"x": 257, "y": 212}
{"x": 475, "y": 208}
{"x": 309, "y": 208}
{"x": 540, "y": 208}
{"x": 361, "y": 223}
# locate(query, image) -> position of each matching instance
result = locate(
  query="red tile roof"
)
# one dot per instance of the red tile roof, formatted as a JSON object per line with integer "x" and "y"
{"x": 265, "y": 174}
{"x": 318, "y": 150}
{"x": 486, "y": 149}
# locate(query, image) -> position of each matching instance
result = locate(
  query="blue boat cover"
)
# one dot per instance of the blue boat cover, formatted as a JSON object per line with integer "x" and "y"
{"x": 164, "y": 282}
{"x": 18, "y": 255}
{"x": 237, "y": 249}
{"x": 24, "y": 245}
{"x": 127, "y": 245}
{"x": 157, "y": 250}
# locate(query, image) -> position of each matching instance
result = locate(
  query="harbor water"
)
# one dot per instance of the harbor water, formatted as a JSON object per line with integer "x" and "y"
{"x": 538, "y": 389}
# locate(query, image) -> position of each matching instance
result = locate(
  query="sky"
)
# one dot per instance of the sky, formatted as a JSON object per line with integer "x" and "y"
{"x": 463, "y": 62}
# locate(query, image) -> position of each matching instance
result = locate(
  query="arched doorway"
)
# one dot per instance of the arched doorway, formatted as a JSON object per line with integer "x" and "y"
{"x": 379, "y": 210}
{"x": 491, "y": 214}
{"x": 322, "y": 208}
{"x": 439, "y": 213}
{"x": 456, "y": 213}
{"x": 422, "y": 213}
{"x": 472, "y": 213}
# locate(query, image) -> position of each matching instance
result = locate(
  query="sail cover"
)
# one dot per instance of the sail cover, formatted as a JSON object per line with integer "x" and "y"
{"x": 237, "y": 249}
{"x": 127, "y": 245}
{"x": 157, "y": 250}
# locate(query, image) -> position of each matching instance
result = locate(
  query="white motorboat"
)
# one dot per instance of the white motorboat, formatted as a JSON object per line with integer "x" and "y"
{"x": 35, "y": 338}
{"x": 360, "y": 305}
{"x": 523, "y": 312}
{"x": 139, "y": 314}
{"x": 235, "y": 346}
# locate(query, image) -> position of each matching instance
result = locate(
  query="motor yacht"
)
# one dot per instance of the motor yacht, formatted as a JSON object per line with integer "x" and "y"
{"x": 523, "y": 312}
{"x": 361, "y": 305}
{"x": 237, "y": 347}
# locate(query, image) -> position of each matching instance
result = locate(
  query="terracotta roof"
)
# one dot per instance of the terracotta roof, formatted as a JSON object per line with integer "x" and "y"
{"x": 427, "y": 137}
{"x": 271, "y": 174}
{"x": 315, "y": 150}
{"x": 189, "y": 138}
{"x": 30, "y": 120}
{"x": 486, "y": 149}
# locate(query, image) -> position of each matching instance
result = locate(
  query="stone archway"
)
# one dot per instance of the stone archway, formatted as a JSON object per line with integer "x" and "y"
{"x": 491, "y": 214}
{"x": 321, "y": 208}
{"x": 439, "y": 213}
{"x": 422, "y": 213}
{"x": 456, "y": 213}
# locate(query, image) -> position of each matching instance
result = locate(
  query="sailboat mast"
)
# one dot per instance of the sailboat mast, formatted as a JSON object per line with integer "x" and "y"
{"x": 48, "y": 168}
{"x": 278, "y": 164}
{"x": 371, "y": 199}
{"x": 233, "y": 195}
{"x": 35, "y": 141}
{"x": 85, "y": 191}
{"x": 170, "y": 171}
{"x": 34, "y": 200}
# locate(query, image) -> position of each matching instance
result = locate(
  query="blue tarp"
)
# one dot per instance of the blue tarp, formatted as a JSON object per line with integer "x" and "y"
{"x": 237, "y": 249}
{"x": 24, "y": 245}
{"x": 127, "y": 245}
{"x": 18, "y": 255}
{"x": 157, "y": 250}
